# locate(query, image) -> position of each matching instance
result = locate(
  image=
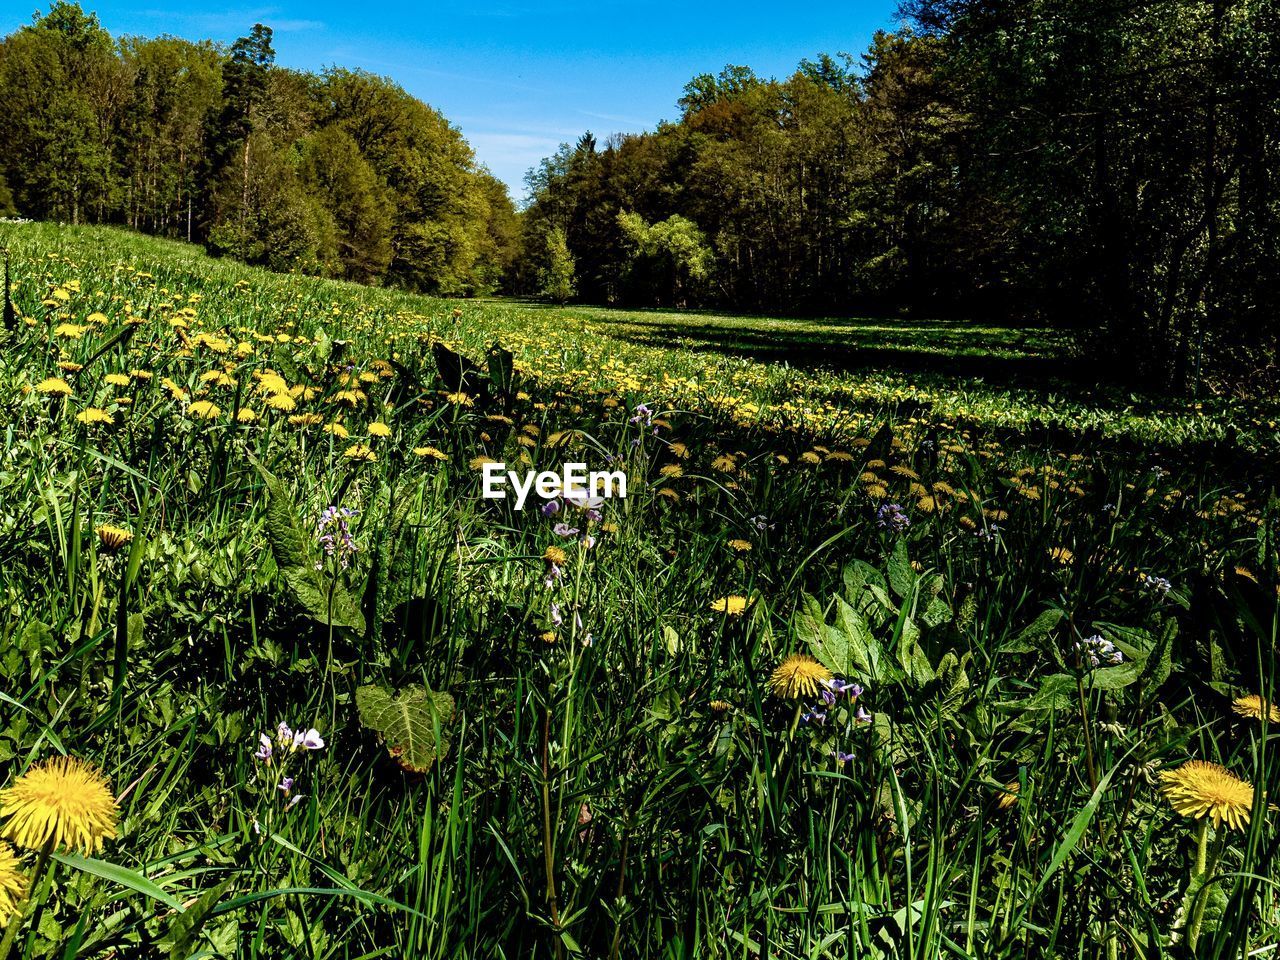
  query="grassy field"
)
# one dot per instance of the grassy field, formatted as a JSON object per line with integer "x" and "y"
{"x": 898, "y": 646}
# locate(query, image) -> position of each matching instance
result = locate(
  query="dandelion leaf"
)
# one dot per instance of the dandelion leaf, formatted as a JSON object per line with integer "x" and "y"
{"x": 411, "y": 722}
{"x": 324, "y": 599}
{"x": 902, "y": 579}
{"x": 1028, "y": 641}
{"x": 501, "y": 369}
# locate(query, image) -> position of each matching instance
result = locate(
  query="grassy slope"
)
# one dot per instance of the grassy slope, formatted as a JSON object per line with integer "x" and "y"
{"x": 677, "y": 807}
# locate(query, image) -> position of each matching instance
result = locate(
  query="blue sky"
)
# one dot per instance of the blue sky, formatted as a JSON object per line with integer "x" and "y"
{"x": 521, "y": 77}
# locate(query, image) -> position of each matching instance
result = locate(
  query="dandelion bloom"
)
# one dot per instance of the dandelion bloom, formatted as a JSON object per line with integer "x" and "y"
{"x": 431, "y": 452}
{"x": 1254, "y": 706}
{"x": 13, "y": 883}
{"x": 204, "y": 410}
{"x": 1062, "y": 555}
{"x": 246, "y": 415}
{"x": 555, "y": 555}
{"x": 281, "y": 401}
{"x": 54, "y": 385}
{"x": 379, "y": 429}
{"x": 64, "y": 801}
{"x": 1198, "y": 788}
{"x": 1009, "y": 795}
{"x": 116, "y": 379}
{"x": 741, "y": 546}
{"x": 361, "y": 451}
{"x": 799, "y": 675}
{"x": 111, "y": 536}
{"x": 732, "y": 606}
{"x": 91, "y": 415}
{"x": 337, "y": 429}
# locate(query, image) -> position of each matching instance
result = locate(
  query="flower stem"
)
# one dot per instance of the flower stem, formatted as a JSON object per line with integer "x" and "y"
{"x": 1201, "y": 871}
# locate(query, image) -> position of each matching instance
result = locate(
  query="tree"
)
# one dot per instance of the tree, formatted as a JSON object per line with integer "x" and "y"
{"x": 557, "y": 275}
{"x": 670, "y": 260}
{"x": 335, "y": 173}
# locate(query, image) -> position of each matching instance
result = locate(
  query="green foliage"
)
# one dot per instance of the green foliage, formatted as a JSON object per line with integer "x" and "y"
{"x": 319, "y": 592}
{"x": 340, "y": 175}
{"x": 620, "y": 775}
{"x": 411, "y": 722}
{"x": 557, "y": 275}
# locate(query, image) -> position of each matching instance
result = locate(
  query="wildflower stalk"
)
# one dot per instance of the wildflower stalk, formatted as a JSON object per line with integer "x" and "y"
{"x": 1201, "y": 870}
{"x": 548, "y": 840}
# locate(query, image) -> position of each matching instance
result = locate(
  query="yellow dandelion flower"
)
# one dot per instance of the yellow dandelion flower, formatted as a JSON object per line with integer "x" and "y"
{"x": 1009, "y": 795}
{"x": 246, "y": 415}
{"x": 740, "y": 546}
{"x": 69, "y": 331}
{"x": 810, "y": 457}
{"x": 555, "y": 555}
{"x": 54, "y": 385}
{"x": 1062, "y": 556}
{"x": 724, "y": 463}
{"x": 732, "y": 606}
{"x": 281, "y": 401}
{"x": 92, "y": 415}
{"x": 1254, "y": 706}
{"x": 337, "y": 429}
{"x": 672, "y": 470}
{"x": 204, "y": 410}
{"x": 477, "y": 463}
{"x": 13, "y": 883}
{"x": 431, "y": 452}
{"x": 174, "y": 390}
{"x": 360, "y": 451}
{"x": 799, "y": 675}
{"x": 379, "y": 429}
{"x": 1199, "y": 788}
{"x": 460, "y": 399}
{"x": 351, "y": 397}
{"x": 65, "y": 802}
{"x": 112, "y": 537}
{"x": 116, "y": 379}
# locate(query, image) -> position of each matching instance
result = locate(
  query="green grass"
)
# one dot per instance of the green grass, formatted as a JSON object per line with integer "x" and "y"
{"x": 603, "y": 769}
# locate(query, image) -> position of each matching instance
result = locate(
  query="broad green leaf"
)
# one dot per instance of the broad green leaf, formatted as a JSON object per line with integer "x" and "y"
{"x": 411, "y": 723}
{"x": 1028, "y": 641}
{"x": 902, "y": 579}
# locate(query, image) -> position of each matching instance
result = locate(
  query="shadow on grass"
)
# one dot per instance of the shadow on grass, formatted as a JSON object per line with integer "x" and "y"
{"x": 998, "y": 353}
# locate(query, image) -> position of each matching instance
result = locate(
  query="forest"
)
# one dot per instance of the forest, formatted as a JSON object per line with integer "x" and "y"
{"x": 1108, "y": 167}
{"x": 340, "y": 174}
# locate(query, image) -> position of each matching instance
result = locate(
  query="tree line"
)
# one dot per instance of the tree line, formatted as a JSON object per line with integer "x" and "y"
{"x": 1106, "y": 165}
{"x": 1109, "y": 165}
{"x": 339, "y": 174}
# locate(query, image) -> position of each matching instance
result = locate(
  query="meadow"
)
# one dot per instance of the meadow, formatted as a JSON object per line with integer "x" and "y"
{"x": 904, "y": 643}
